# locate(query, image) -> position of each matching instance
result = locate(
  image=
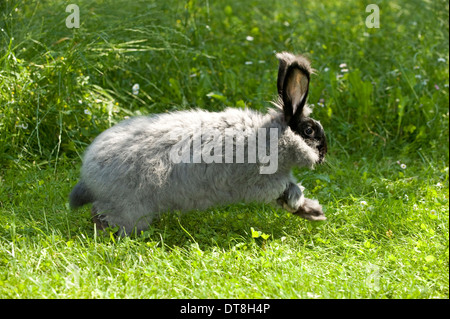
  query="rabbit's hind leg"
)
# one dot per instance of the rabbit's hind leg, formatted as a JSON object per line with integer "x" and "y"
{"x": 130, "y": 220}
{"x": 98, "y": 218}
{"x": 105, "y": 216}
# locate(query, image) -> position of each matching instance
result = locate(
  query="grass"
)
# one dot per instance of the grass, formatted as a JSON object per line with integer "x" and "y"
{"x": 384, "y": 187}
{"x": 387, "y": 248}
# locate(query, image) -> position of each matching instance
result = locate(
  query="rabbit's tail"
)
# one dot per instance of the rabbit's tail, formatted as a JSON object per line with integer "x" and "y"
{"x": 80, "y": 196}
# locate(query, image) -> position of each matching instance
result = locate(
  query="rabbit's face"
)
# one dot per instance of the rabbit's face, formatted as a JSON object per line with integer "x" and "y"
{"x": 313, "y": 134}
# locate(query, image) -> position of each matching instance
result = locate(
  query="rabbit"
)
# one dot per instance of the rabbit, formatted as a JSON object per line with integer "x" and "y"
{"x": 133, "y": 172}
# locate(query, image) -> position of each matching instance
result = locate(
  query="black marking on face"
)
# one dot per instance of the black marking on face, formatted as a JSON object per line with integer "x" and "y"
{"x": 313, "y": 134}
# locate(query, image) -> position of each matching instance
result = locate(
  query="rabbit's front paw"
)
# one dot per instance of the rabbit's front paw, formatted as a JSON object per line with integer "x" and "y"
{"x": 292, "y": 198}
{"x": 311, "y": 210}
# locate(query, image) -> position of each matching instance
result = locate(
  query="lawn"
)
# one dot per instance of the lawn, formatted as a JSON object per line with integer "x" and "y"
{"x": 381, "y": 95}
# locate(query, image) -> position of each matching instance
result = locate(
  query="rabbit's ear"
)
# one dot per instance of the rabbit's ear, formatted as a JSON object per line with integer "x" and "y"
{"x": 295, "y": 92}
{"x": 293, "y": 84}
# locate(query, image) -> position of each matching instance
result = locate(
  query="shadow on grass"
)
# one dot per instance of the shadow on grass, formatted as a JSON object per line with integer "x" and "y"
{"x": 221, "y": 227}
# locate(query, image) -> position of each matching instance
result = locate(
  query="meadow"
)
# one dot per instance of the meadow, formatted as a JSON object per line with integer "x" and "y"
{"x": 381, "y": 95}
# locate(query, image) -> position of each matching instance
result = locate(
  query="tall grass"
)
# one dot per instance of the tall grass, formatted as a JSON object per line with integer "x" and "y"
{"x": 61, "y": 87}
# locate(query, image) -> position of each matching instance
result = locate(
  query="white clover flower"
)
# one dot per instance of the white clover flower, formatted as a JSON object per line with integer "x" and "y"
{"x": 321, "y": 102}
{"x": 249, "y": 38}
{"x": 326, "y": 69}
{"x": 135, "y": 89}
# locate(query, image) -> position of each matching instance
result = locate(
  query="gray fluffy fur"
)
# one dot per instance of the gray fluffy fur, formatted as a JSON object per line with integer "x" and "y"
{"x": 129, "y": 177}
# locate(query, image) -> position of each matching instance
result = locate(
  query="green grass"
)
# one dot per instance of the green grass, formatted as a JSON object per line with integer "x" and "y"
{"x": 387, "y": 230}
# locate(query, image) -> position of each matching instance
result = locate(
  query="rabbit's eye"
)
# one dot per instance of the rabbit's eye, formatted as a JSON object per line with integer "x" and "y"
{"x": 309, "y": 131}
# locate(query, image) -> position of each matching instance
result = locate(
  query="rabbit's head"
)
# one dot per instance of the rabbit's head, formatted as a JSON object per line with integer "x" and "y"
{"x": 293, "y": 85}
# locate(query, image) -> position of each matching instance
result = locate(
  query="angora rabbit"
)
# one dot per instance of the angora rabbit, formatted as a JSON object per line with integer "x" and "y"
{"x": 187, "y": 160}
